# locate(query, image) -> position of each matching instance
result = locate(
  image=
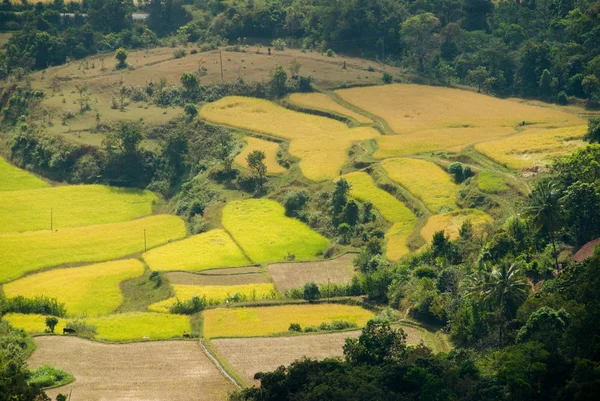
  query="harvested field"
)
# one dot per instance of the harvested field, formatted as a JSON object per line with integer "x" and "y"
{"x": 89, "y": 290}
{"x": 491, "y": 182}
{"x": 322, "y": 102}
{"x": 216, "y": 294}
{"x": 262, "y": 230}
{"x": 22, "y": 253}
{"x": 270, "y": 150}
{"x": 409, "y": 108}
{"x": 208, "y": 250}
{"x": 402, "y": 219}
{"x": 231, "y": 271}
{"x": 287, "y": 276}
{"x": 426, "y": 181}
{"x": 13, "y": 178}
{"x": 157, "y": 371}
{"x": 265, "y": 321}
{"x": 534, "y": 147}
{"x": 451, "y": 223}
{"x": 72, "y": 206}
{"x": 320, "y": 143}
{"x": 216, "y": 279}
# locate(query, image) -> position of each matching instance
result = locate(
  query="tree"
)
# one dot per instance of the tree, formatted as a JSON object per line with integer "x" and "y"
{"x": 121, "y": 56}
{"x": 311, "y": 291}
{"x": 593, "y": 132}
{"x": 166, "y": 16}
{"x": 377, "y": 344}
{"x": 456, "y": 169}
{"x": 190, "y": 110}
{"x": 478, "y": 76}
{"x": 546, "y": 84}
{"x": 51, "y": 323}
{"x": 191, "y": 85}
{"x": 295, "y": 68}
{"x": 294, "y": 202}
{"x": 350, "y": 213}
{"x": 420, "y": 35}
{"x": 345, "y": 231}
{"x": 255, "y": 160}
{"x": 277, "y": 85}
{"x": 110, "y": 16}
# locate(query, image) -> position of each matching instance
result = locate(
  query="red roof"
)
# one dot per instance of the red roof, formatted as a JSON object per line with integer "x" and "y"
{"x": 586, "y": 251}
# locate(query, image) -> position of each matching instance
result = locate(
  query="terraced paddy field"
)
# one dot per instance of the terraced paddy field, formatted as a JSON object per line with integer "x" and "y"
{"x": 403, "y": 220}
{"x": 217, "y": 294}
{"x": 425, "y": 180}
{"x": 265, "y": 234}
{"x": 533, "y": 147}
{"x": 209, "y": 250}
{"x": 13, "y": 178}
{"x": 265, "y": 321}
{"x": 491, "y": 182}
{"x": 287, "y": 276}
{"x": 157, "y": 371}
{"x": 71, "y": 206}
{"x": 217, "y": 279}
{"x": 320, "y": 143}
{"x": 452, "y": 222}
{"x": 89, "y": 290}
{"x": 270, "y": 150}
{"x": 22, "y": 253}
{"x": 322, "y": 102}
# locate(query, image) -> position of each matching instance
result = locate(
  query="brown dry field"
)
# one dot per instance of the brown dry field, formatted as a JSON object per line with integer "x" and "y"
{"x": 293, "y": 275}
{"x": 230, "y": 271}
{"x": 156, "y": 371}
{"x": 212, "y": 279}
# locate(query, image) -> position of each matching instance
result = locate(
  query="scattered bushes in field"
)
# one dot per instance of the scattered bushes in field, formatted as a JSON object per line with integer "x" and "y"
{"x": 190, "y": 306}
{"x": 311, "y": 291}
{"x": 179, "y": 53}
{"x": 295, "y": 201}
{"x": 48, "y": 376}
{"x": 51, "y": 323}
{"x": 82, "y": 329}
{"x": 336, "y": 325}
{"x": 278, "y": 44}
{"x": 459, "y": 172}
{"x": 387, "y": 78}
{"x": 39, "y": 305}
{"x": 295, "y": 327}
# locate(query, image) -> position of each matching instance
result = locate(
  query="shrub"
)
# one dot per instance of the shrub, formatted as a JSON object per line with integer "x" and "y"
{"x": 121, "y": 56}
{"x": 51, "y": 323}
{"x": 190, "y": 110}
{"x": 278, "y": 44}
{"x": 48, "y": 376}
{"x": 562, "y": 98}
{"x": 370, "y": 68}
{"x": 294, "y": 202}
{"x": 189, "y": 307}
{"x": 82, "y": 329}
{"x": 387, "y": 78}
{"x": 194, "y": 51}
{"x": 330, "y": 53}
{"x": 295, "y": 327}
{"x": 179, "y": 53}
{"x": 39, "y": 305}
{"x": 456, "y": 170}
{"x": 311, "y": 291}
{"x": 305, "y": 83}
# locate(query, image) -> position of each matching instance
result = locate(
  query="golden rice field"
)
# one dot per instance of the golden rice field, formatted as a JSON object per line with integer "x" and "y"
{"x": 22, "y": 253}
{"x": 119, "y": 327}
{"x": 402, "y": 218}
{"x": 320, "y": 143}
{"x": 209, "y": 250}
{"x": 270, "y": 150}
{"x": 409, "y": 108}
{"x": 533, "y": 147}
{"x": 72, "y": 206}
{"x": 425, "y": 180}
{"x": 264, "y": 321}
{"x": 453, "y": 221}
{"x": 322, "y": 102}
{"x": 216, "y": 293}
{"x": 491, "y": 182}
{"x": 91, "y": 290}
{"x": 262, "y": 230}
{"x": 13, "y": 178}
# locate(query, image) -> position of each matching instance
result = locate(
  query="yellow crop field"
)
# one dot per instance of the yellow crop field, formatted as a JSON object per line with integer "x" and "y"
{"x": 320, "y": 101}
{"x": 268, "y": 147}
{"x": 204, "y": 251}
{"x": 265, "y": 234}
{"x": 409, "y": 108}
{"x": 425, "y": 180}
{"x": 72, "y": 206}
{"x": 320, "y": 143}
{"x": 89, "y": 290}
{"x": 403, "y": 220}
{"x": 491, "y": 182}
{"x": 32, "y": 323}
{"x": 22, "y": 253}
{"x": 13, "y": 178}
{"x": 264, "y": 321}
{"x": 217, "y": 293}
{"x": 453, "y": 221}
{"x": 534, "y": 147}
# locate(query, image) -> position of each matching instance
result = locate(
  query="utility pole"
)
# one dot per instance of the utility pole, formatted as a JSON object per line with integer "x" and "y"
{"x": 144, "y": 240}
{"x": 221, "y": 57}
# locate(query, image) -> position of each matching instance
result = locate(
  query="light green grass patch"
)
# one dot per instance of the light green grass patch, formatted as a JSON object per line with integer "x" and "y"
{"x": 491, "y": 182}
{"x": 91, "y": 290}
{"x": 204, "y": 251}
{"x": 263, "y": 231}
{"x": 72, "y": 206}
{"x": 22, "y": 253}
{"x": 13, "y": 178}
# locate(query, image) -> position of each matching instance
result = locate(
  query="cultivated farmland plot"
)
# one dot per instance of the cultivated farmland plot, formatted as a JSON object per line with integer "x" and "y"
{"x": 320, "y": 101}
{"x": 233, "y": 276}
{"x": 12, "y": 178}
{"x": 451, "y": 223}
{"x": 270, "y": 150}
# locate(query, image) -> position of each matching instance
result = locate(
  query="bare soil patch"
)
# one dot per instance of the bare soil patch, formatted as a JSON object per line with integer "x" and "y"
{"x": 293, "y": 275}
{"x": 152, "y": 371}
{"x": 213, "y": 279}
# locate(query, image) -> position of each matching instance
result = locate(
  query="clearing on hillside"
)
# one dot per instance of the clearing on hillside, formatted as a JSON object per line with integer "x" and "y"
{"x": 217, "y": 279}
{"x": 157, "y": 371}
{"x": 208, "y": 250}
{"x": 89, "y": 290}
{"x": 425, "y": 180}
{"x": 491, "y": 182}
{"x": 270, "y": 150}
{"x": 22, "y": 253}
{"x": 534, "y": 147}
{"x": 453, "y": 221}
{"x": 217, "y": 294}
{"x": 402, "y": 219}
{"x": 287, "y": 276}
{"x": 13, "y": 178}
{"x": 71, "y": 206}
{"x": 265, "y": 321}
{"x": 320, "y": 143}
{"x": 322, "y": 102}
{"x": 265, "y": 234}
{"x": 408, "y": 108}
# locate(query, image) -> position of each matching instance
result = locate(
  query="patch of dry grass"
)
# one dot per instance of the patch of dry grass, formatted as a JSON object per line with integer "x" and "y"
{"x": 322, "y": 102}
{"x": 270, "y": 150}
{"x": 451, "y": 223}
